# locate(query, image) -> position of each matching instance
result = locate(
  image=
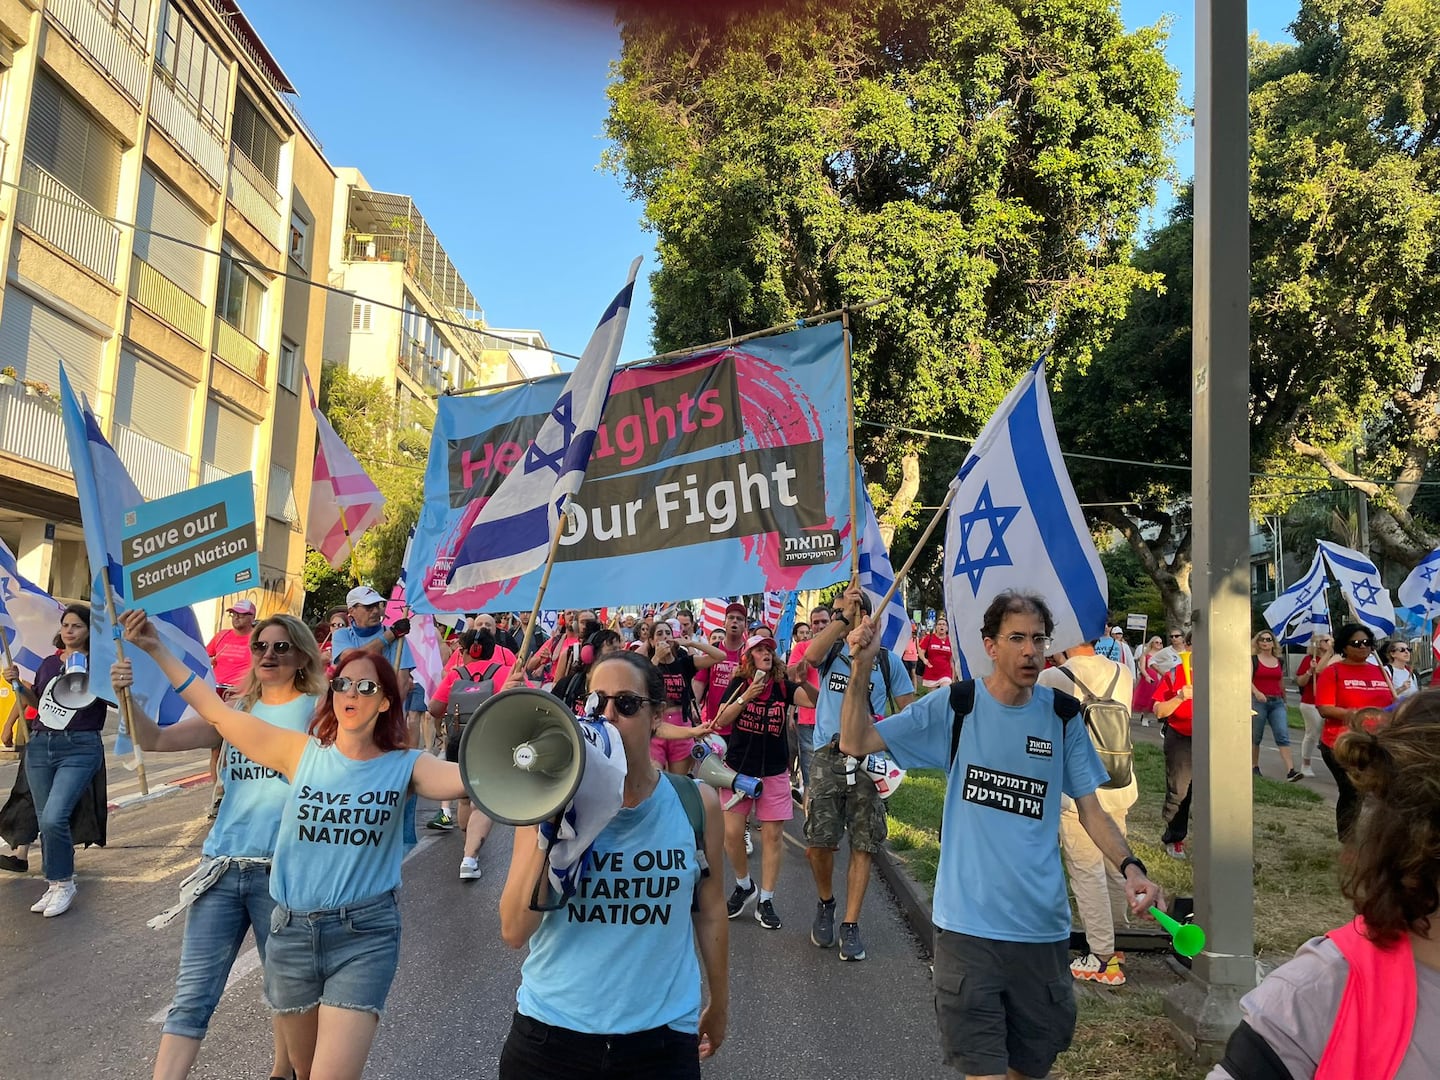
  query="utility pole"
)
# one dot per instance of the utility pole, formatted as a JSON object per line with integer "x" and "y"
{"x": 1205, "y": 1008}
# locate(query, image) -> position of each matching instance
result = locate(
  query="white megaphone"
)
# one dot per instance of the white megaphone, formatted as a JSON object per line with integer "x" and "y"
{"x": 713, "y": 771}
{"x": 522, "y": 756}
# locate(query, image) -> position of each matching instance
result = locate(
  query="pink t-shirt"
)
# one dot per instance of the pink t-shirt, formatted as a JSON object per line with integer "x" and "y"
{"x": 802, "y": 714}
{"x": 718, "y": 676}
{"x": 503, "y": 657}
{"x": 230, "y": 657}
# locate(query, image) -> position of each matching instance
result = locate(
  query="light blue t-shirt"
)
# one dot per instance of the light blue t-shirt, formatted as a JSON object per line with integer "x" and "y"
{"x": 339, "y": 839}
{"x": 832, "y": 691}
{"x": 620, "y": 956}
{"x": 255, "y": 796}
{"x": 999, "y": 875}
{"x": 352, "y": 637}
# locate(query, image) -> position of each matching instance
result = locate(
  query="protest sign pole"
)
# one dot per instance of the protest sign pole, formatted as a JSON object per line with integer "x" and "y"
{"x": 125, "y": 703}
{"x": 915, "y": 551}
{"x": 850, "y": 446}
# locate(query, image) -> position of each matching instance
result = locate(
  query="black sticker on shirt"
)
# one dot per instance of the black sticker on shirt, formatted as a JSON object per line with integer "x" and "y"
{"x": 839, "y": 680}
{"x": 1005, "y": 791}
{"x": 1037, "y": 747}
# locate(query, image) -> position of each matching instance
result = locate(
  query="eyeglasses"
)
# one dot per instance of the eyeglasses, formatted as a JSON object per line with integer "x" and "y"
{"x": 626, "y": 702}
{"x": 364, "y": 687}
{"x": 1360, "y": 643}
{"x": 279, "y": 648}
{"x": 1041, "y": 641}
{"x": 1176, "y": 637}
{"x": 1266, "y": 640}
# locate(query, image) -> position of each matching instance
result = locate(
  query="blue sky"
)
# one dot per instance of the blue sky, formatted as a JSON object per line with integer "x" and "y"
{"x": 489, "y": 114}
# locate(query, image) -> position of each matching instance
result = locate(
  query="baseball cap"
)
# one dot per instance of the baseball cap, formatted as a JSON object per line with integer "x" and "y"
{"x": 737, "y": 608}
{"x": 1117, "y": 629}
{"x": 756, "y": 640}
{"x": 364, "y": 595}
{"x": 242, "y": 607}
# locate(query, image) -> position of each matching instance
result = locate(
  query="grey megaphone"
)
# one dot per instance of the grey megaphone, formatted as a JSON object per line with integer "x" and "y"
{"x": 711, "y": 769}
{"x": 72, "y": 685}
{"x": 522, "y": 756}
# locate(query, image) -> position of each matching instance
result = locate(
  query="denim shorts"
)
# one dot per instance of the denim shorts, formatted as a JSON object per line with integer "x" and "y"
{"x": 343, "y": 957}
{"x": 215, "y": 926}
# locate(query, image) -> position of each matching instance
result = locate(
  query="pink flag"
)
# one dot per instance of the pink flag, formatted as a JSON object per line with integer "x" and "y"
{"x": 344, "y": 501}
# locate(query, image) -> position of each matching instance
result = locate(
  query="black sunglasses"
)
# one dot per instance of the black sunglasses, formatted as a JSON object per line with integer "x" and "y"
{"x": 364, "y": 687}
{"x": 626, "y": 702}
{"x": 279, "y": 648}
{"x": 1360, "y": 643}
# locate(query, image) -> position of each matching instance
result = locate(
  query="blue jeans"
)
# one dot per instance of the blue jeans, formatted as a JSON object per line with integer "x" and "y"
{"x": 60, "y": 766}
{"x": 805, "y": 736}
{"x": 215, "y": 928}
{"x": 1271, "y": 713}
{"x": 343, "y": 957}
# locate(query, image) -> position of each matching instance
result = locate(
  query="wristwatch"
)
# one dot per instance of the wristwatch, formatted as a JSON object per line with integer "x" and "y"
{"x": 1131, "y": 860}
{"x": 842, "y": 617}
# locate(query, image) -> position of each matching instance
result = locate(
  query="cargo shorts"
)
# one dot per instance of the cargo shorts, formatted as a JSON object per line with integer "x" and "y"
{"x": 843, "y": 798}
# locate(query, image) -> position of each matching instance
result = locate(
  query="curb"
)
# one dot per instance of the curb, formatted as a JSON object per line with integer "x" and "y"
{"x": 913, "y": 903}
{"x": 159, "y": 792}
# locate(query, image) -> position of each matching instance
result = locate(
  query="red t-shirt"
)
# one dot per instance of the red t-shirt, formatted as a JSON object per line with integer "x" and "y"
{"x": 230, "y": 657}
{"x": 1307, "y": 690}
{"x": 812, "y": 676}
{"x": 1350, "y": 686}
{"x": 1268, "y": 680}
{"x": 936, "y": 651}
{"x": 1182, "y": 719}
{"x": 504, "y": 657}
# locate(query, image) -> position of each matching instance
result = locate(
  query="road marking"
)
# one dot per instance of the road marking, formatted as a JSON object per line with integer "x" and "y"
{"x": 248, "y": 962}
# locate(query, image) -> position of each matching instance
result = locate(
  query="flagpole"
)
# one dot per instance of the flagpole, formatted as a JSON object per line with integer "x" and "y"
{"x": 915, "y": 551}
{"x": 850, "y": 446}
{"x": 125, "y": 704}
{"x": 533, "y": 625}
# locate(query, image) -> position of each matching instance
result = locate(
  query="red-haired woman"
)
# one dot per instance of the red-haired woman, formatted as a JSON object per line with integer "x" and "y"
{"x": 335, "y": 935}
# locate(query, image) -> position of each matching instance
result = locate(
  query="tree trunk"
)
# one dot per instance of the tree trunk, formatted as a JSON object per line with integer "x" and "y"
{"x": 904, "y": 498}
{"x": 1171, "y": 573}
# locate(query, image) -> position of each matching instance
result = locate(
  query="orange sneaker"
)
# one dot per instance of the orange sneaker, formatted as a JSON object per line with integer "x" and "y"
{"x": 1090, "y": 968}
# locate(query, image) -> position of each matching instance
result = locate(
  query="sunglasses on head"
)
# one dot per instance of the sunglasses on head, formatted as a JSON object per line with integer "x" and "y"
{"x": 279, "y": 648}
{"x": 343, "y": 684}
{"x": 626, "y": 702}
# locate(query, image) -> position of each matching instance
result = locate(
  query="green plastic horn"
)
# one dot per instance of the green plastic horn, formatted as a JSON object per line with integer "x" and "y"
{"x": 1187, "y": 938}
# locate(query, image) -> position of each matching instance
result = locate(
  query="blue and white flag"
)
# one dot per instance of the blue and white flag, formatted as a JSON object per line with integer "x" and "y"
{"x": 1359, "y": 581}
{"x": 1015, "y": 523}
{"x": 877, "y": 573}
{"x": 512, "y": 532}
{"x": 29, "y": 616}
{"x": 785, "y": 631}
{"x": 1302, "y": 610}
{"x": 106, "y": 491}
{"x": 1421, "y": 590}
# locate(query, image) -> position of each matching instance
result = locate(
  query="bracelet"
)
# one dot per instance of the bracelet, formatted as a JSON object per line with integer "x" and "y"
{"x": 181, "y": 689}
{"x": 842, "y": 617}
{"x": 1131, "y": 860}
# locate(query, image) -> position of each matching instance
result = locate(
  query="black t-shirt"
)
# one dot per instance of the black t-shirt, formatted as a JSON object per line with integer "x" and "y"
{"x": 678, "y": 691}
{"x": 89, "y": 718}
{"x": 757, "y": 744}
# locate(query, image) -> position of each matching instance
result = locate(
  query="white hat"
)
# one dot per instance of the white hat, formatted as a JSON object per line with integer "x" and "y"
{"x": 363, "y": 595}
{"x": 1117, "y": 629}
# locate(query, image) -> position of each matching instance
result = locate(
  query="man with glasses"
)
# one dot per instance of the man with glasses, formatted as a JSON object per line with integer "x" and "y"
{"x": 1174, "y": 707}
{"x": 1003, "y": 989}
{"x": 366, "y": 609}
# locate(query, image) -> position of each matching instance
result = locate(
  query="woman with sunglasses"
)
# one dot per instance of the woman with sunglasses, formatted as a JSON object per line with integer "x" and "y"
{"x": 1267, "y": 688}
{"x": 1320, "y": 653}
{"x": 230, "y": 891}
{"x": 1395, "y": 659}
{"x": 678, "y": 660}
{"x": 754, "y": 709}
{"x": 1342, "y": 690}
{"x": 621, "y": 983}
{"x": 334, "y": 940}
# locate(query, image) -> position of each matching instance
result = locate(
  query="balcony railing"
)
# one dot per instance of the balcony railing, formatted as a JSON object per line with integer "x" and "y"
{"x": 30, "y": 428}
{"x": 167, "y": 301}
{"x": 239, "y": 351}
{"x": 158, "y": 470}
{"x": 210, "y": 473}
{"x": 178, "y": 120}
{"x": 112, "y": 48}
{"x": 254, "y": 196}
{"x": 67, "y": 221}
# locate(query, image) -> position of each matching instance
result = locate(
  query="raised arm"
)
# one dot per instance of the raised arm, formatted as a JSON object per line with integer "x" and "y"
{"x": 837, "y": 627}
{"x": 191, "y": 732}
{"x": 709, "y": 654}
{"x": 436, "y": 779}
{"x": 275, "y": 748}
{"x": 858, "y": 736}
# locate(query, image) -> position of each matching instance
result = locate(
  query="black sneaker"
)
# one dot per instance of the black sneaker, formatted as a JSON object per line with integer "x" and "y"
{"x": 739, "y": 898}
{"x": 765, "y": 915}
{"x": 1294, "y": 776}
{"x": 851, "y": 947}
{"x": 822, "y": 930}
{"x": 14, "y": 864}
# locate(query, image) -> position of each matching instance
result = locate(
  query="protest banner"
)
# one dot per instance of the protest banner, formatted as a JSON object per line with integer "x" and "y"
{"x": 191, "y": 546}
{"x": 732, "y": 462}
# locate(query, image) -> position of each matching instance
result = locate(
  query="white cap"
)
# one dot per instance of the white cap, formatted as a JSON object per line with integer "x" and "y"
{"x": 363, "y": 595}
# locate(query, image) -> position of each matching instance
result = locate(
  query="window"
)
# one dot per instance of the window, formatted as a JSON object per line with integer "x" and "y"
{"x": 280, "y": 498}
{"x": 35, "y": 338}
{"x": 360, "y": 317}
{"x": 130, "y": 17}
{"x": 300, "y": 241}
{"x": 240, "y": 298}
{"x": 163, "y": 211}
{"x": 256, "y": 139}
{"x": 229, "y": 443}
{"x": 64, "y": 141}
{"x": 289, "y": 374}
{"x": 199, "y": 76}
{"x": 151, "y": 401}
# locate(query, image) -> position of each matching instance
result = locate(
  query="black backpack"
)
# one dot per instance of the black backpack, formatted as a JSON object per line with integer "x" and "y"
{"x": 1108, "y": 722}
{"x": 470, "y": 691}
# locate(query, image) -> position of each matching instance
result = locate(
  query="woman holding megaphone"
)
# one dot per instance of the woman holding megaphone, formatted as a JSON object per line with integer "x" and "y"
{"x": 334, "y": 940}
{"x": 755, "y": 704}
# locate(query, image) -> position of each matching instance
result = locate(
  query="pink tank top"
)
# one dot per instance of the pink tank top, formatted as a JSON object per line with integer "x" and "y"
{"x": 1377, "y": 1010}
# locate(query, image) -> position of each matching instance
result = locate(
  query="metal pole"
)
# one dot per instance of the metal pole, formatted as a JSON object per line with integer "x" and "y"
{"x": 1205, "y": 1009}
{"x": 850, "y": 453}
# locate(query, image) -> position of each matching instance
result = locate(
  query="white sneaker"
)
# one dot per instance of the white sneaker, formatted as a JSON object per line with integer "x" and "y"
{"x": 749, "y": 844}
{"x": 469, "y": 869}
{"x": 60, "y": 899}
{"x": 1144, "y": 721}
{"x": 44, "y": 901}
{"x": 1306, "y": 770}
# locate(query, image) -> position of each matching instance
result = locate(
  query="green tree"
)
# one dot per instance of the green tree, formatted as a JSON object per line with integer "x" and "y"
{"x": 977, "y": 166}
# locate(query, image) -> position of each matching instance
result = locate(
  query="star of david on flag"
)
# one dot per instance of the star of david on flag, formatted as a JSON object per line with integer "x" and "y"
{"x": 1302, "y": 610}
{"x": 877, "y": 573}
{"x": 1421, "y": 590}
{"x": 512, "y": 530}
{"x": 1015, "y": 523}
{"x": 1359, "y": 581}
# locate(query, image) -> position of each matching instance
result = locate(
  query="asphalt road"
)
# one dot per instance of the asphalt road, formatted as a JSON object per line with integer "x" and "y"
{"x": 83, "y": 994}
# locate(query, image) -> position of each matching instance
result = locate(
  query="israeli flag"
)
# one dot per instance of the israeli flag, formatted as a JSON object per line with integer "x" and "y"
{"x": 29, "y": 616}
{"x": 1359, "y": 581}
{"x": 877, "y": 573}
{"x": 512, "y": 532}
{"x": 1421, "y": 590}
{"x": 1015, "y": 523}
{"x": 106, "y": 492}
{"x": 1302, "y": 610}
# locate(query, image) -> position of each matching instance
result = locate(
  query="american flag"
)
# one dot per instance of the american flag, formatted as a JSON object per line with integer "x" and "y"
{"x": 774, "y": 607}
{"x": 712, "y": 614}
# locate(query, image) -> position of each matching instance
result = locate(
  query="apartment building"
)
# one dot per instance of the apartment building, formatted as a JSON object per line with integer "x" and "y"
{"x": 413, "y": 320}
{"x": 191, "y": 331}
{"x": 526, "y": 351}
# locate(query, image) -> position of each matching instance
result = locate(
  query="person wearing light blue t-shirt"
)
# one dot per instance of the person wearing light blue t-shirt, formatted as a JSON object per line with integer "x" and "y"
{"x": 334, "y": 941}
{"x": 230, "y": 891}
{"x": 366, "y": 609}
{"x": 1002, "y": 920}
